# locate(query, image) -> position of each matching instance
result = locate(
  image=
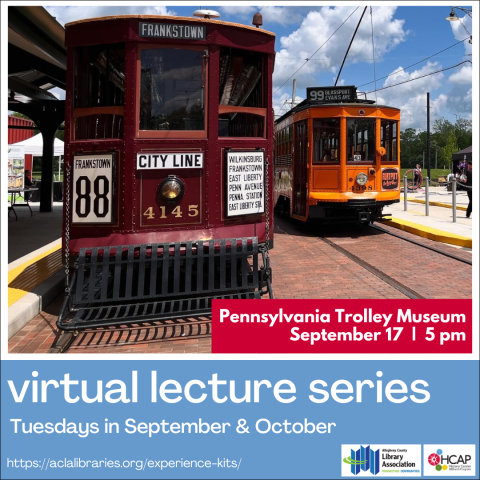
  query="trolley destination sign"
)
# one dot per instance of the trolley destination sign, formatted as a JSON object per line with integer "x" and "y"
{"x": 332, "y": 94}
{"x": 167, "y": 30}
{"x": 245, "y": 177}
{"x": 92, "y": 188}
{"x": 158, "y": 161}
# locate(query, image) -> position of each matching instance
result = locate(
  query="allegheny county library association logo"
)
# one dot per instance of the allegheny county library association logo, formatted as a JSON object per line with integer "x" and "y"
{"x": 381, "y": 460}
{"x": 449, "y": 460}
{"x": 365, "y": 459}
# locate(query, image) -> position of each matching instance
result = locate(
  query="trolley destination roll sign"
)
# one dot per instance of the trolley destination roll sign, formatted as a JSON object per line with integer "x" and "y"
{"x": 245, "y": 179}
{"x": 332, "y": 94}
{"x": 166, "y": 30}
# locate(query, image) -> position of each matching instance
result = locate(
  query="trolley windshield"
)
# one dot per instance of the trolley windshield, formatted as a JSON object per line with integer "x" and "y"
{"x": 172, "y": 89}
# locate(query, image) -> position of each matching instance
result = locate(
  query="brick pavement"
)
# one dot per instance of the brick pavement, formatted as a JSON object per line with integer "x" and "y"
{"x": 303, "y": 267}
{"x": 430, "y": 274}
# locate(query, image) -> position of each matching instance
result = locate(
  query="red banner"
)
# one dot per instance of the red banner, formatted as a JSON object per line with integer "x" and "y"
{"x": 342, "y": 326}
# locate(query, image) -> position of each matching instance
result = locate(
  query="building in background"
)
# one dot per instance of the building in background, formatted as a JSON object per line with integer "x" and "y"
{"x": 19, "y": 134}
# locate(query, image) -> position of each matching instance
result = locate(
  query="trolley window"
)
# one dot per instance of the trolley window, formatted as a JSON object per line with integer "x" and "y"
{"x": 241, "y": 94}
{"x": 388, "y": 130}
{"x": 326, "y": 140}
{"x": 172, "y": 89}
{"x": 241, "y": 125}
{"x": 99, "y": 87}
{"x": 361, "y": 139}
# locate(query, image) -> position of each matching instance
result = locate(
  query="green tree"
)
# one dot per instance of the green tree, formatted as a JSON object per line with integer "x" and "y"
{"x": 451, "y": 147}
{"x": 442, "y": 128}
{"x": 463, "y": 132}
{"x": 410, "y": 147}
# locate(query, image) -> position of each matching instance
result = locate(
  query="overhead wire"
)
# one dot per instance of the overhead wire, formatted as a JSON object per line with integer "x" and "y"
{"x": 413, "y": 64}
{"x": 308, "y": 59}
{"x": 464, "y": 27}
{"x": 418, "y": 78}
{"x": 373, "y": 55}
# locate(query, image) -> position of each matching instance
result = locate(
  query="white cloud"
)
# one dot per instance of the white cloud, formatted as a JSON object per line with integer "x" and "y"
{"x": 281, "y": 15}
{"x": 421, "y": 83}
{"x": 413, "y": 112}
{"x": 460, "y": 31}
{"x": 282, "y": 103}
{"x": 460, "y": 101}
{"x": 270, "y": 14}
{"x": 411, "y": 97}
{"x": 70, "y": 14}
{"x": 317, "y": 27}
{"x": 462, "y": 76}
{"x": 239, "y": 11}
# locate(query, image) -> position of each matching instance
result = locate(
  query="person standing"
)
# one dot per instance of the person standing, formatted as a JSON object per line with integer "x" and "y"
{"x": 468, "y": 184}
{"x": 416, "y": 176}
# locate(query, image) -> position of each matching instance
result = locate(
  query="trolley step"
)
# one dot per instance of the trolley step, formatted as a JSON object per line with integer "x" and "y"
{"x": 120, "y": 285}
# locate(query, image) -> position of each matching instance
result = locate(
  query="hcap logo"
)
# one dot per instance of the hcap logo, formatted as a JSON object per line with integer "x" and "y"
{"x": 441, "y": 462}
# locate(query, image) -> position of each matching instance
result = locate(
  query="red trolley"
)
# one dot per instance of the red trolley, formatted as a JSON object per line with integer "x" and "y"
{"x": 168, "y": 167}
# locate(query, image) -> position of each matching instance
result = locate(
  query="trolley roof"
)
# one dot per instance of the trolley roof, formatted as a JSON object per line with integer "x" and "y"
{"x": 306, "y": 104}
{"x": 169, "y": 17}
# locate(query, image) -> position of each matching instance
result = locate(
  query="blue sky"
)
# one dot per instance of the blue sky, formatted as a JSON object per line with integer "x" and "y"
{"x": 403, "y": 36}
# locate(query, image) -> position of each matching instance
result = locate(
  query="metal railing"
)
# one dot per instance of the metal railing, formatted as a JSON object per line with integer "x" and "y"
{"x": 427, "y": 192}
{"x": 454, "y": 199}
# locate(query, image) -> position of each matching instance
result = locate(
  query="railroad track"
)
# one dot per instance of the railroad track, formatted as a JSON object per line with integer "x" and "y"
{"x": 382, "y": 275}
{"x": 404, "y": 289}
{"x": 415, "y": 242}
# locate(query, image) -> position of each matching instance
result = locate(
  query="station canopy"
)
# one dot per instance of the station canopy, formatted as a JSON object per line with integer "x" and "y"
{"x": 465, "y": 154}
{"x": 34, "y": 146}
{"x": 37, "y": 63}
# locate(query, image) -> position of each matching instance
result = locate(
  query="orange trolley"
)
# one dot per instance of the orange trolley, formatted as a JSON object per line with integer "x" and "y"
{"x": 337, "y": 157}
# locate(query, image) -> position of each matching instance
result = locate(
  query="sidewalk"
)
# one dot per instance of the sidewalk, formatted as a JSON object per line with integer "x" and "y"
{"x": 439, "y": 196}
{"x": 35, "y": 269}
{"x": 439, "y": 225}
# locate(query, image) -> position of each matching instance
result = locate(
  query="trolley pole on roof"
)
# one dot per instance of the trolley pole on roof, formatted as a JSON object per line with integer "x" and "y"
{"x": 350, "y": 44}
{"x": 294, "y": 94}
{"x": 428, "y": 136}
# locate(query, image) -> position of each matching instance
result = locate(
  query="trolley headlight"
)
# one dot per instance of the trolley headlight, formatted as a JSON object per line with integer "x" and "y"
{"x": 171, "y": 189}
{"x": 362, "y": 178}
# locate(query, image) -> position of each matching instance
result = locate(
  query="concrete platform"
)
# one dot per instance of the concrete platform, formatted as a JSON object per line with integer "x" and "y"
{"x": 439, "y": 197}
{"x": 439, "y": 225}
{"x": 28, "y": 233}
{"x": 35, "y": 269}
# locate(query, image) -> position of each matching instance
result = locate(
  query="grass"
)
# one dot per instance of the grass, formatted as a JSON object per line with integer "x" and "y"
{"x": 38, "y": 175}
{"x": 18, "y": 198}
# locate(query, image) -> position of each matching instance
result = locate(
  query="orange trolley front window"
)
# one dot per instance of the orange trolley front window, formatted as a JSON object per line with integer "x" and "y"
{"x": 326, "y": 140}
{"x": 361, "y": 140}
{"x": 389, "y": 140}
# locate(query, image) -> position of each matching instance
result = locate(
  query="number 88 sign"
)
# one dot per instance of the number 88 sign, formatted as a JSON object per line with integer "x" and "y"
{"x": 92, "y": 199}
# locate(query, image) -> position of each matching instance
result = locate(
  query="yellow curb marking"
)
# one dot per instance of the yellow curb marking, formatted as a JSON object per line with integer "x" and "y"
{"x": 436, "y": 204}
{"x": 25, "y": 277}
{"x": 431, "y": 233}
